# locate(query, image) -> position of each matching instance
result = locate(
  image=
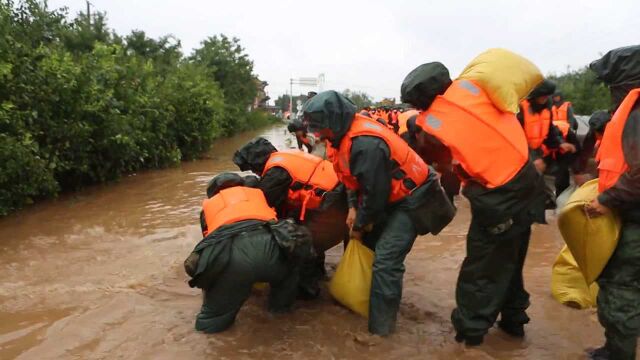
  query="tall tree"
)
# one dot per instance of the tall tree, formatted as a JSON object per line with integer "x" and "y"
{"x": 231, "y": 68}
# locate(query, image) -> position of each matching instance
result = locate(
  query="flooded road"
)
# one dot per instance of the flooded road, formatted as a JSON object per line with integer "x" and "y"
{"x": 98, "y": 274}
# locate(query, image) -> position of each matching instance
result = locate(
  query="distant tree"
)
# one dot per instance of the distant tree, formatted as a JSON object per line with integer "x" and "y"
{"x": 387, "y": 102}
{"x": 360, "y": 98}
{"x": 586, "y": 93}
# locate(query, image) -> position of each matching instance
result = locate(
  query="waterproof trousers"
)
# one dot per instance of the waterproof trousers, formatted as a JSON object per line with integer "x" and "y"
{"x": 391, "y": 239}
{"x": 619, "y": 296}
{"x": 255, "y": 257}
{"x": 490, "y": 280}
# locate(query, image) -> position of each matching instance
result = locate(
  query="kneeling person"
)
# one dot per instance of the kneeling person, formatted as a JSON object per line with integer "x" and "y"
{"x": 304, "y": 187}
{"x": 243, "y": 243}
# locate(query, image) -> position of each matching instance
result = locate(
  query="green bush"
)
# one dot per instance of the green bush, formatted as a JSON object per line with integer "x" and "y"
{"x": 80, "y": 104}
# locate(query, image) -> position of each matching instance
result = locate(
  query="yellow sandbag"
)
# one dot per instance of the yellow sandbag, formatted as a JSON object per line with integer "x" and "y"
{"x": 506, "y": 77}
{"x": 351, "y": 284}
{"x": 568, "y": 285}
{"x": 591, "y": 240}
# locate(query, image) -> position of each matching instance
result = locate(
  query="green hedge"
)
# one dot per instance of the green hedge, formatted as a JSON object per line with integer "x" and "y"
{"x": 81, "y": 105}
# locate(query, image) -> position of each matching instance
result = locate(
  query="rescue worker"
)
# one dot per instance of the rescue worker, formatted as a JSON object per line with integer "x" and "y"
{"x": 303, "y": 138}
{"x": 565, "y": 121}
{"x": 583, "y": 167}
{"x": 545, "y": 139}
{"x": 543, "y": 136}
{"x": 619, "y": 185}
{"x": 243, "y": 243}
{"x": 563, "y": 111}
{"x": 398, "y": 195}
{"x": 303, "y": 187}
{"x": 502, "y": 185}
{"x": 394, "y": 123}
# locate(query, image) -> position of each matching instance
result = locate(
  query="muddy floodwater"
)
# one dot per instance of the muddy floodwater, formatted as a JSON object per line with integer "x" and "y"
{"x": 98, "y": 275}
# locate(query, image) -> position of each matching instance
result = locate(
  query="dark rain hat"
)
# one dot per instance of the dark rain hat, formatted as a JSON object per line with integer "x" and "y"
{"x": 421, "y": 86}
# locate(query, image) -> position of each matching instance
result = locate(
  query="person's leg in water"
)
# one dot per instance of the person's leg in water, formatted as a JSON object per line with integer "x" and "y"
{"x": 619, "y": 296}
{"x": 391, "y": 240}
{"x": 489, "y": 280}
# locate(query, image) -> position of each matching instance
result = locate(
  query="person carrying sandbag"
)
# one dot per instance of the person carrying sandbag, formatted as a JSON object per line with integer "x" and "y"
{"x": 303, "y": 187}
{"x": 398, "y": 195}
{"x": 505, "y": 190}
{"x": 243, "y": 244}
{"x": 619, "y": 185}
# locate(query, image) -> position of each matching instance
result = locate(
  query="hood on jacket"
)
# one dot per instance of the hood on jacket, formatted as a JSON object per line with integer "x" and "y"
{"x": 332, "y": 111}
{"x": 253, "y": 155}
{"x": 620, "y": 70}
{"x": 223, "y": 181}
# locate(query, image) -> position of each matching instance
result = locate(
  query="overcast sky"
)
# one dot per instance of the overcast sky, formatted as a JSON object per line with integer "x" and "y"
{"x": 371, "y": 45}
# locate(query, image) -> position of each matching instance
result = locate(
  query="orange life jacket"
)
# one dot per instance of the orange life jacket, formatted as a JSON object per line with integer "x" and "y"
{"x": 561, "y": 113}
{"x": 488, "y": 143}
{"x": 563, "y": 126}
{"x": 410, "y": 165}
{"x": 403, "y": 118}
{"x": 235, "y": 204}
{"x": 536, "y": 126}
{"x": 610, "y": 157}
{"x": 311, "y": 177}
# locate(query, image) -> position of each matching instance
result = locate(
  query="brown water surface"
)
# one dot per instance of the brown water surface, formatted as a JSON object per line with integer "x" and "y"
{"x": 98, "y": 274}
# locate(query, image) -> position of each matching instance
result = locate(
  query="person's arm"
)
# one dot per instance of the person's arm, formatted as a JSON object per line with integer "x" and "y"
{"x": 554, "y": 137}
{"x": 203, "y": 223}
{"x": 626, "y": 191}
{"x": 371, "y": 165}
{"x": 573, "y": 122}
{"x": 275, "y": 186}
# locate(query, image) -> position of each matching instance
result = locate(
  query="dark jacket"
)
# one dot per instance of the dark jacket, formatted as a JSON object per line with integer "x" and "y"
{"x": 275, "y": 186}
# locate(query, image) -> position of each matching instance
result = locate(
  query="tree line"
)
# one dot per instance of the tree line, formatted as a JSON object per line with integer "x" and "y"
{"x": 80, "y": 104}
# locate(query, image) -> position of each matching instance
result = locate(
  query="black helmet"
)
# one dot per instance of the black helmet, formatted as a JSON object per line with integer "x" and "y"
{"x": 223, "y": 181}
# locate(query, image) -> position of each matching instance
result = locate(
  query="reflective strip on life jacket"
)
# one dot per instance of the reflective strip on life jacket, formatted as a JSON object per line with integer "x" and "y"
{"x": 536, "y": 125}
{"x": 411, "y": 170}
{"x": 235, "y": 204}
{"x": 311, "y": 178}
{"x": 610, "y": 156}
{"x": 488, "y": 143}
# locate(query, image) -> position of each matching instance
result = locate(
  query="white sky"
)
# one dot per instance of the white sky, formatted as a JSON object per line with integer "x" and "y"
{"x": 371, "y": 45}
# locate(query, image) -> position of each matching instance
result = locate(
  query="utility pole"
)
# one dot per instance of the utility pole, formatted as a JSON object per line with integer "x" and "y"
{"x": 291, "y": 97}
{"x": 88, "y": 13}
